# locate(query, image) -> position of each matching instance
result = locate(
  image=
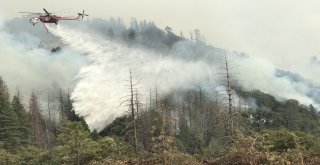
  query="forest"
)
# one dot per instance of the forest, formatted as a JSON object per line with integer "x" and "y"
{"x": 184, "y": 126}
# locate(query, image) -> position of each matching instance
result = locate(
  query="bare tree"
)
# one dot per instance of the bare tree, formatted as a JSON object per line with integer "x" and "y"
{"x": 197, "y": 35}
{"x": 61, "y": 107}
{"x": 132, "y": 101}
{"x": 133, "y": 113}
{"x": 37, "y": 122}
{"x": 229, "y": 92}
{"x": 48, "y": 128}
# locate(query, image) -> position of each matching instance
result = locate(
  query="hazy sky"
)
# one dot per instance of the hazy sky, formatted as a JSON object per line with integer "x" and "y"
{"x": 280, "y": 30}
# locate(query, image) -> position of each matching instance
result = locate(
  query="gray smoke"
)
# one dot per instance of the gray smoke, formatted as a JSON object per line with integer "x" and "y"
{"x": 154, "y": 56}
{"x": 301, "y": 84}
{"x": 103, "y": 81}
{"x": 26, "y": 65}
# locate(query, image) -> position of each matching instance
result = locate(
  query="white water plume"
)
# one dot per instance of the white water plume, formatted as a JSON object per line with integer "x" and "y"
{"x": 103, "y": 81}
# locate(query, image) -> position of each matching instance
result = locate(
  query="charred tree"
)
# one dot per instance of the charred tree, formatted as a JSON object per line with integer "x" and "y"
{"x": 37, "y": 122}
{"x": 230, "y": 123}
{"x": 133, "y": 113}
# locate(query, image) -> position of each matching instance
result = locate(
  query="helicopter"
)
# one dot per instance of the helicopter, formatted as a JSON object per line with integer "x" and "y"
{"x": 48, "y": 17}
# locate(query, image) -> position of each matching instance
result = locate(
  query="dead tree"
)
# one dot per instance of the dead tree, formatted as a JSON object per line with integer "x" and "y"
{"x": 133, "y": 115}
{"x": 137, "y": 103}
{"x": 229, "y": 91}
{"x": 156, "y": 95}
{"x": 61, "y": 108}
{"x": 163, "y": 136}
{"x": 37, "y": 122}
{"x": 48, "y": 129}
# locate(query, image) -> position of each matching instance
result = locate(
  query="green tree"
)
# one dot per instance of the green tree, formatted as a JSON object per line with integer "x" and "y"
{"x": 31, "y": 155}
{"x": 95, "y": 135}
{"x": 68, "y": 112}
{"x": 283, "y": 140}
{"x": 262, "y": 118}
{"x": 77, "y": 146}
{"x": 117, "y": 127}
{"x": 113, "y": 148}
{"x": 9, "y": 127}
{"x": 8, "y": 158}
{"x": 24, "y": 125}
{"x": 192, "y": 143}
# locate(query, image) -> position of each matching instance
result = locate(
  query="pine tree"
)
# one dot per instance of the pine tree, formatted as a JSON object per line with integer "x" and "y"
{"x": 24, "y": 125}
{"x": 9, "y": 132}
{"x": 70, "y": 114}
{"x": 69, "y": 110}
{"x": 78, "y": 147}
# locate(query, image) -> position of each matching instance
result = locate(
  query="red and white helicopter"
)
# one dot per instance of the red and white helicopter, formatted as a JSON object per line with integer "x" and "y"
{"x": 50, "y": 18}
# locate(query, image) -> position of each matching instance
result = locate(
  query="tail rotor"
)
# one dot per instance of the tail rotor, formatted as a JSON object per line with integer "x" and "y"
{"x": 81, "y": 15}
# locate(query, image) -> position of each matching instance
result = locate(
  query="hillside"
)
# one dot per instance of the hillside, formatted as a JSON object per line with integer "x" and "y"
{"x": 141, "y": 94}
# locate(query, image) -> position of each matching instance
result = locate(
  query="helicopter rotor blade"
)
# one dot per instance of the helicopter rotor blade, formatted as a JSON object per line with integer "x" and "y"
{"x": 82, "y": 14}
{"x": 31, "y": 13}
{"x": 46, "y": 12}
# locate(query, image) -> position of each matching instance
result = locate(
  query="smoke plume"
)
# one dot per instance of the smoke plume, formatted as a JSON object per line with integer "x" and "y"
{"x": 26, "y": 65}
{"x": 104, "y": 81}
{"x": 98, "y": 55}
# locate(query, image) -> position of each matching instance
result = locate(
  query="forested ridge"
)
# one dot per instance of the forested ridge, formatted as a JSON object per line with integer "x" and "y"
{"x": 188, "y": 125}
{"x": 185, "y": 127}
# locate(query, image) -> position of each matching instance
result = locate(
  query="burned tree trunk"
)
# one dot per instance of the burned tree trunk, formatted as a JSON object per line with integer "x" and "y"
{"x": 133, "y": 115}
{"x": 229, "y": 92}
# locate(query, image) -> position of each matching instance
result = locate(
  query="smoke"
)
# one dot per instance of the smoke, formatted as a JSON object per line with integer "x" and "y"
{"x": 27, "y": 66}
{"x": 154, "y": 57}
{"x": 100, "y": 77}
{"x": 258, "y": 73}
{"x": 103, "y": 82}
{"x": 301, "y": 84}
